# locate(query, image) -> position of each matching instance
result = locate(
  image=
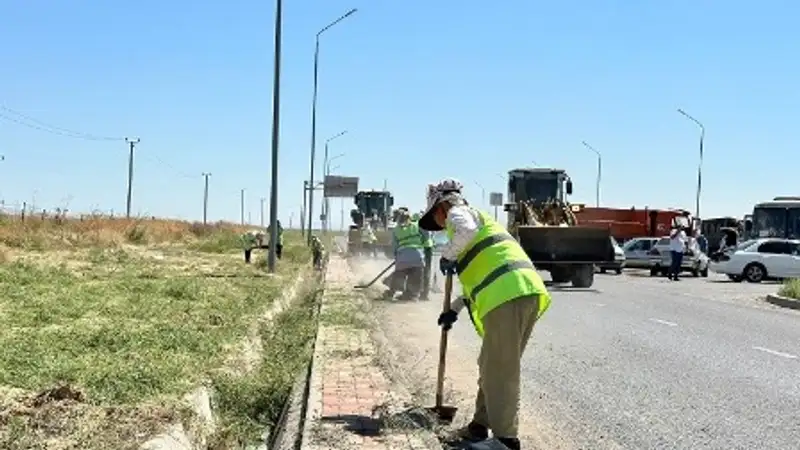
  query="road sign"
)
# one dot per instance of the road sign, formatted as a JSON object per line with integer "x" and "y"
{"x": 496, "y": 199}
{"x": 337, "y": 187}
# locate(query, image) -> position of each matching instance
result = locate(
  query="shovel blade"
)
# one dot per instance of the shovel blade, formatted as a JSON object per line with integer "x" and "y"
{"x": 445, "y": 414}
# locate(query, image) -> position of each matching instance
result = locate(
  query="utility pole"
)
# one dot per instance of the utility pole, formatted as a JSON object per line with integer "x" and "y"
{"x": 205, "y": 198}
{"x": 131, "y": 143}
{"x": 262, "y": 211}
{"x": 276, "y": 114}
{"x": 700, "y": 163}
{"x": 242, "y": 206}
{"x": 303, "y": 211}
{"x": 599, "y": 173}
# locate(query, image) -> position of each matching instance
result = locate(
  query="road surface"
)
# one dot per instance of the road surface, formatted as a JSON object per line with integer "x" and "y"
{"x": 640, "y": 363}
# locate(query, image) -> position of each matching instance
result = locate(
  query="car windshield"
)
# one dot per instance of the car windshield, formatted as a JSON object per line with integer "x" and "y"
{"x": 630, "y": 244}
{"x": 663, "y": 241}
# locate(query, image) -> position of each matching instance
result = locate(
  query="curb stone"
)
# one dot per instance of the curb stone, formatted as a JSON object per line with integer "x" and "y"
{"x": 782, "y": 301}
{"x": 176, "y": 436}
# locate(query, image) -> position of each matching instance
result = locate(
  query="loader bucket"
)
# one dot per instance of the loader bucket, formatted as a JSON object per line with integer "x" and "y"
{"x": 566, "y": 244}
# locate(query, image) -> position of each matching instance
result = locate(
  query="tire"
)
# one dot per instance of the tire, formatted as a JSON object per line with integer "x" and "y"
{"x": 754, "y": 273}
{"x": 560, "y": 274}
{"x": 602, "y": 270}
{"x": 583, "y": 276}
{"x": 695, "y": 273}
{"x": 655, "y": 271}
{"x": 704, "y": 273}
{"x": 618, "y": 271}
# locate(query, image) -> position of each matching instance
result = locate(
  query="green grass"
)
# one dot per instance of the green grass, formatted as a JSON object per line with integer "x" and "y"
{"x": 791, "y": 289}
{"x": 134, "y": 329}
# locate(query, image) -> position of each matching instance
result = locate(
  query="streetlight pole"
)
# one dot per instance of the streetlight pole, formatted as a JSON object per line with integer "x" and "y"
{"x": 131, "y": 143}
{"x": 700, "y": 164}
{"x": 314, "y": 118}
{"x": 205, "y": 198}
{"x": 326, "y": 205}
{"x": 276, "y": 115}
{"x": 599, "y": 172}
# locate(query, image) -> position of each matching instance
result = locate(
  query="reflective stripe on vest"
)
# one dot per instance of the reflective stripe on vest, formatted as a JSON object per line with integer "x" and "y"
{"x": 408, "y": 236}
{"x": 494, "y": 269}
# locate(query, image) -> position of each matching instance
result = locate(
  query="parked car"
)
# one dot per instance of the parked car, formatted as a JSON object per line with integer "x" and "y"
{"x": 636, "y": 252}
{"x": 694, "y": 260}
{"x": 760, "y": 259}
{"x": 619, "y": 260}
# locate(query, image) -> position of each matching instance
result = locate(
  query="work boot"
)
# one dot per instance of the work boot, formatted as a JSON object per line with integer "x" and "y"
{"x": 496, "y": 443}
{"x": 473, "y": 432}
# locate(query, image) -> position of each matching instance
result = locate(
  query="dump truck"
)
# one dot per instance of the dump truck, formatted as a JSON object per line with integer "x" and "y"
{"x": 543, "y": 221}
{"x": 373, "y": 209}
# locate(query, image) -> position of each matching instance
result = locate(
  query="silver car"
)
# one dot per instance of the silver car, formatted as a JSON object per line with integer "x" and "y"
{"x": 637, "y": 252}
{"x": 694, "y": 260}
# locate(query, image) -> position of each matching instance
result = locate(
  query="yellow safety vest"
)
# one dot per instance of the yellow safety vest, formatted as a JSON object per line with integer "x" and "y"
{"x": 494, "y": 269}
{"x": 408, "y": 236}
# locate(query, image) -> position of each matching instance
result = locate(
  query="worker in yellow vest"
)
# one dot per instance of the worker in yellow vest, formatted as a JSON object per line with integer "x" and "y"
{"x": 407, "y": 243}
{"x": 427, "y": 249}
{"x": 504, "y": 296}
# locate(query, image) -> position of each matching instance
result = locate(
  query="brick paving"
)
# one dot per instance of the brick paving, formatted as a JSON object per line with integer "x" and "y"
{"x": 349, "y": 394}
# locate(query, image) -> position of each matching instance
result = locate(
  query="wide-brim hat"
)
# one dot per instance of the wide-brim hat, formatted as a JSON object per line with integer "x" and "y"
{"x": 427, "y": 222}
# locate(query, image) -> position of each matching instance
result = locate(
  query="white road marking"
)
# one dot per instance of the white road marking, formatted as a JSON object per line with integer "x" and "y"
{"x": 664, "y": 322}
{"x": 776, "y": 353}
{"x": 599, "y": 304}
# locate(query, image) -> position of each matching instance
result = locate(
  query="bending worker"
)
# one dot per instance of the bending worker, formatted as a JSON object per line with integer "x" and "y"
{"x": 504, "y": 296}
{"x": 407, "y": 242}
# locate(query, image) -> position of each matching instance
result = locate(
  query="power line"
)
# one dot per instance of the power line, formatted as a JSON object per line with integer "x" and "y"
{"x": 36, "y": 124}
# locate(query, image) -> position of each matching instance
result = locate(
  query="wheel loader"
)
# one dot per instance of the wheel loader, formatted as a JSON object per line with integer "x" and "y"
{"x": 543, "y": 221}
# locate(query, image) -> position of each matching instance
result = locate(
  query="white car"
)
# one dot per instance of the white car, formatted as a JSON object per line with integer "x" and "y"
{"x": 694, "y": 261}
{"x": 636, "y": 252}
{"x": 760, "y": 259}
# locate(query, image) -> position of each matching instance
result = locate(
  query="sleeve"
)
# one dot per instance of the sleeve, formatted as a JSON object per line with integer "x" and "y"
{"x": 465, "y": 228}
{"x": 394, "y": 243}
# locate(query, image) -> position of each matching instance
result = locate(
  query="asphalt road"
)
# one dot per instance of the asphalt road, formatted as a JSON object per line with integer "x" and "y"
{"x": 645, "y": 363}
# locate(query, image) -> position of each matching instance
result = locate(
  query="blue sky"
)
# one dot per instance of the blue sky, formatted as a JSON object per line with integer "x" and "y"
{"x": 425, "y": 89}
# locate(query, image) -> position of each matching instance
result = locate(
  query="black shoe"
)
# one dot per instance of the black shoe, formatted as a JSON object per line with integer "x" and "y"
{"x": 473, "y": 432}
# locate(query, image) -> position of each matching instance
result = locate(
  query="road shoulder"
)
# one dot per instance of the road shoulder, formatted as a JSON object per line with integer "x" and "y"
{"x": 352, "y": 403}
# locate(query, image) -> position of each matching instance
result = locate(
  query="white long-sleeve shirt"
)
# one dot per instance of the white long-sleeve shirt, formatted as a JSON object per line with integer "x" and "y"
{"x": 465, "y": 226}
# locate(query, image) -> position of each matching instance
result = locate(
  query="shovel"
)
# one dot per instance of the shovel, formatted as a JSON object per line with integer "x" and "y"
{"x": 444, "y": 413}
{"x": 363, "y": 286}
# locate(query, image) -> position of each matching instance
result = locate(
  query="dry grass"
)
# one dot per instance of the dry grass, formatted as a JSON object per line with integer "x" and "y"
{"x": 107, "y": 323}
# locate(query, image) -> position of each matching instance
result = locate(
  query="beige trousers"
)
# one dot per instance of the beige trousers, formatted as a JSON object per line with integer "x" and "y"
{"x": 507, "y": 329}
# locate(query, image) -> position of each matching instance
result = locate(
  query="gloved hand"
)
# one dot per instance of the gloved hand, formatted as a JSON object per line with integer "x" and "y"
{"x": 447, "y": 267}
{"x": 447, "y": 319}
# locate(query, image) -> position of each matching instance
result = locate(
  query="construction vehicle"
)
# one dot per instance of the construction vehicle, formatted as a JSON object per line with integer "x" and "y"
{"x": 375, "y": 209}
{"x": 544, "y": 222}
{"x": 629, "y": 223}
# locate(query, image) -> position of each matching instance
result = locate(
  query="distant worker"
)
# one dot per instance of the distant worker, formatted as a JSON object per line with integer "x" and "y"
{"x": 407, "y": 245}
{"x": 677, "y": 245}
{"x": 504, "y": 296}
{"x": 317, "y": 251}
{"x": 279, "y": 245}
{"x": 252, "y": 239}
{"x": 368, "y": 240}
{"x": 427, "y": 249}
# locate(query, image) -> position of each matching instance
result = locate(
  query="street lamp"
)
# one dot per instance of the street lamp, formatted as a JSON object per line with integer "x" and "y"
{"x": 314, "y": 116}
{"x": 700, "y": 164}
{"x": 599, "y": 173}
{"x": 326, "y": 170}
{"x": 276, "y": 112}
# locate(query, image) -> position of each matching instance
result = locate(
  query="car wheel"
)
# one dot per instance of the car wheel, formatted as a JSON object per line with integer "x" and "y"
{"x": 704, "y": 273}
{"x": 619, "y": 271}
{"x": 754, "y": 273}
{"x": 655, "y": 271}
